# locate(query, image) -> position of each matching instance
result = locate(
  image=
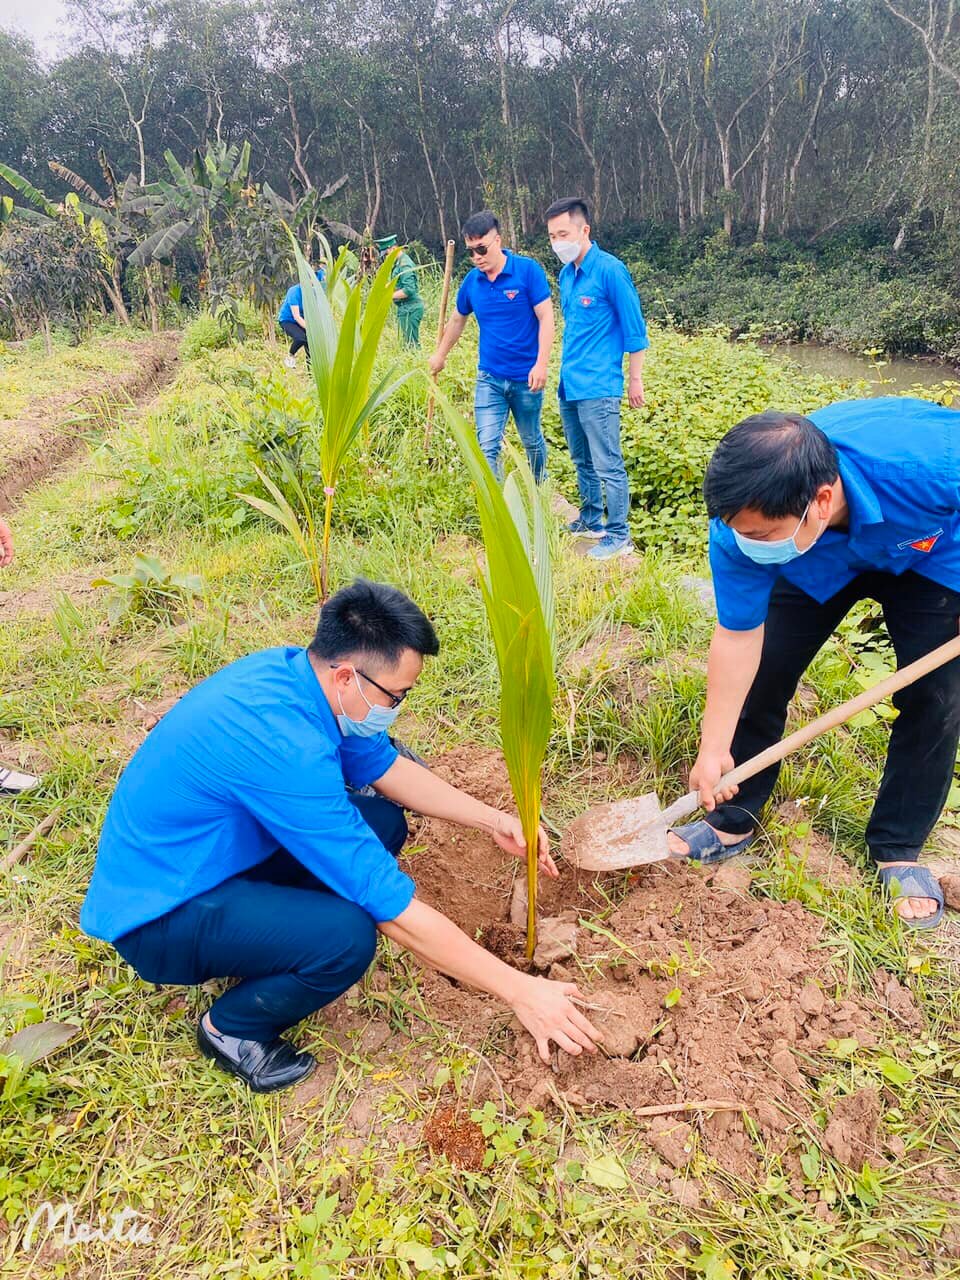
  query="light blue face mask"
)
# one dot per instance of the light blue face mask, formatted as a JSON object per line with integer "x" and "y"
{"x": 782, "y": 551}
{"x": 377, "y": 720}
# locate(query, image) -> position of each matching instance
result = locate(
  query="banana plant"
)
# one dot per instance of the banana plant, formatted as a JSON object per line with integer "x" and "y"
{"x": 517, "y": 588}
{"x": 343, "y": 350}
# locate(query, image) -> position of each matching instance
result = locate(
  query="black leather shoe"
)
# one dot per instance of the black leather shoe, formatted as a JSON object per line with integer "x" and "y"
{"x": 264, "y": 1067}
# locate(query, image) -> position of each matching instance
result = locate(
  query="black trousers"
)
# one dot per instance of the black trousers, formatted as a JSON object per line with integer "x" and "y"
{"x": 297, "y": 335}
{"x": 295, "y": 944}
{"x": 920, "y": 615}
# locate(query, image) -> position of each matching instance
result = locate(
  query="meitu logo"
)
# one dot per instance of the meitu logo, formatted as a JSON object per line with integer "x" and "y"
{"x": 125, "y": 1227}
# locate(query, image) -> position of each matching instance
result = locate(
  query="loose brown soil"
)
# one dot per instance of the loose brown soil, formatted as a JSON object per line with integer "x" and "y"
{"x": 710, "y": 992}
{"x": 53, "y": 428}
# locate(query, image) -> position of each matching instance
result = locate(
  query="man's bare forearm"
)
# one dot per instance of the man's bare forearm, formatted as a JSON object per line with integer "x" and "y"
{"x": 441, "y": 945}
{"x": 451, "y": 334}
{"x": 731, "y": 667}
{"x": 415, "y": 787}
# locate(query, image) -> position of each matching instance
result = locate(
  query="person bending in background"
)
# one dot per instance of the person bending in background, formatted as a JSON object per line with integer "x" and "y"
{"x": 510, "y": 296}
{"x": 12, "y": 782}
{"x": 292, "y": 321}
{"x": 231, "y": 847}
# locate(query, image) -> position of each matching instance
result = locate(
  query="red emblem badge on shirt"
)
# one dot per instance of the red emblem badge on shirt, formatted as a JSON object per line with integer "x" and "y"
{"x": 921, "y": 544}
{"x": 510, "y": 293}
{"x": 586, "y": 302}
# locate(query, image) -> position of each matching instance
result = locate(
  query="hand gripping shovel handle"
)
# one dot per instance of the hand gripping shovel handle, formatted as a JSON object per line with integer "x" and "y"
{"x": 687, "y": 804}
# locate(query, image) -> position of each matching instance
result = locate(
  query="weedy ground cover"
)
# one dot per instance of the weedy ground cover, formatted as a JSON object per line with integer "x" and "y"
{"x": 790, "y": 988}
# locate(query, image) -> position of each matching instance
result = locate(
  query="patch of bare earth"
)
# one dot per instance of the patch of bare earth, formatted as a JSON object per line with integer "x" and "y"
{"x": 710, "y": 994}
{"x": 53, "y": 429}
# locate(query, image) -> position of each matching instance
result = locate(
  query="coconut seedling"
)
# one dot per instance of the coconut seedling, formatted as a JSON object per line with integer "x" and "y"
{"x": 343, "y": 343}
{"x": 517, "y": 587}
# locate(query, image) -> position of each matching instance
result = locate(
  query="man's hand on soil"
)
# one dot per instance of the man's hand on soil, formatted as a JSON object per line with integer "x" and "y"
{"x": 508, "y": 835}
{"x": 546, "y": 1010}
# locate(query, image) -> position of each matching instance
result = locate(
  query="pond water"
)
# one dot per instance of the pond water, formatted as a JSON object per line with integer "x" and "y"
{"x": 897, "y": 373}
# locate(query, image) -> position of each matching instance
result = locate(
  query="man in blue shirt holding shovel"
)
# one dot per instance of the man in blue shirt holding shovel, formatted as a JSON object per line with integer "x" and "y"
{"x": 602, "y": 319}
{"x": 859, "y": 500}
{"x": 510, "y": 296}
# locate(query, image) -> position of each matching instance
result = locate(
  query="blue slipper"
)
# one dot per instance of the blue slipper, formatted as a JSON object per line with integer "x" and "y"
{"x": 913, "y": 882}
{"x": 704, "y": 843}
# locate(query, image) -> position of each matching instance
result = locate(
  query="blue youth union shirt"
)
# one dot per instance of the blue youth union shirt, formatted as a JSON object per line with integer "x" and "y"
{"x": 509, "y": 328}
{"x": 249, "y": 761}
{"x": 294, "y": 298}
{"x": 602, "y": 319}
{"x": 899, "y": 460}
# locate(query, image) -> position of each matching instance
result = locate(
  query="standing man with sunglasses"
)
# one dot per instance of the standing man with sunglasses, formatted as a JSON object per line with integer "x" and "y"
{"x": 232, "y": 849}
{"x": 510, "y": 296}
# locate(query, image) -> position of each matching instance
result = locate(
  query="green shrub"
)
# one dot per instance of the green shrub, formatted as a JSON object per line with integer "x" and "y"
{"x": 203, "y": 333}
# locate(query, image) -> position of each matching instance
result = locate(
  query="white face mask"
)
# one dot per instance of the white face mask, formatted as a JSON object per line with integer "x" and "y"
{"x": 567, "y": 250}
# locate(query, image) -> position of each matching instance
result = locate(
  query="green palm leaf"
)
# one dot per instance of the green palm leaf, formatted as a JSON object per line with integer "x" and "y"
{"x": 517, "y": 589}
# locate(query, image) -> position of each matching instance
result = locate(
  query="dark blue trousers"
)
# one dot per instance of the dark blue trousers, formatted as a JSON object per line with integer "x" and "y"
{"x": 294, "y": 943}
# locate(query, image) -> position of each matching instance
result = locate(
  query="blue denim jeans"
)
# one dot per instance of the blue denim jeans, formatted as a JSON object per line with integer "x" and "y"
{"x": 592, "y": 429}
{"x": 494, "y": 400}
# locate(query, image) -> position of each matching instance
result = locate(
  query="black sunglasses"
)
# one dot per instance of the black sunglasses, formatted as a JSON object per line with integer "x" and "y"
{"x": 477, "y": 250}
{"x": 395, "y": 698}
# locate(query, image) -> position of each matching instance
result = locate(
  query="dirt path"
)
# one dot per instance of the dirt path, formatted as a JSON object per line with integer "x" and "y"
{"x": 51, "y": 432}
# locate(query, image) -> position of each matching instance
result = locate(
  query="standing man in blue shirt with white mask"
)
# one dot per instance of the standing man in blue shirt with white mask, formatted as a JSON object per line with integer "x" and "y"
{"x": 602, "y": 319}
{"x": 859, "y": 500}
{"x": 510, "y": 296}
{"x": 231, "y": 847}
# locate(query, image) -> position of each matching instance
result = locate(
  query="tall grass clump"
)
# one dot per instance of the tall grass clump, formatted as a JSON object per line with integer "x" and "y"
{"x": 517, "y": 587}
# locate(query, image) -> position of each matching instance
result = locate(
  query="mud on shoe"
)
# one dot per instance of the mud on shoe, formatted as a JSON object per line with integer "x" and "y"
{"x": 264, "y": 1067}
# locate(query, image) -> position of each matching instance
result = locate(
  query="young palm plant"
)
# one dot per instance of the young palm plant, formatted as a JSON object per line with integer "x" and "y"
{"x": 343, "y": 349}
{"x": 517, "y": 587}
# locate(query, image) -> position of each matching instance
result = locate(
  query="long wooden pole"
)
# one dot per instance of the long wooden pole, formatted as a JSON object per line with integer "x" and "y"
{"x": 441, "y": 325}
{"x": 24, "y": 847}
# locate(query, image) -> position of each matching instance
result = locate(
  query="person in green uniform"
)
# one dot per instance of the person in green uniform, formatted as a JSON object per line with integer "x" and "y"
{"x": 406, "y": 296}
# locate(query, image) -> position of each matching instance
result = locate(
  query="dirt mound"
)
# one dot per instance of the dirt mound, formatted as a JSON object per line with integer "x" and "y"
{"x": 53, "y": 429}
{"x": 704, "y": 992}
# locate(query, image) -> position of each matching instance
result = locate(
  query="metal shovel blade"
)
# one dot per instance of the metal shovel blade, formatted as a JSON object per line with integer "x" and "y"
{"x": 623, "y": 833}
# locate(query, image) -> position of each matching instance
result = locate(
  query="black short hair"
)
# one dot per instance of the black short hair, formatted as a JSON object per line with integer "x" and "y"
{"x": 478, "y": 224}
{"x": 568, "y": 204}
{"x": 375, "y": 619}
{"x": 773, "y": 463}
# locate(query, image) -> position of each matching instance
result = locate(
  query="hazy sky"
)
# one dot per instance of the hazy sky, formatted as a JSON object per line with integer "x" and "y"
{"x": 42, "y": 20}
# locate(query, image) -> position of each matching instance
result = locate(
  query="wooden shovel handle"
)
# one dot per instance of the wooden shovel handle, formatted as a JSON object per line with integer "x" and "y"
{"x": 908, "y": 675}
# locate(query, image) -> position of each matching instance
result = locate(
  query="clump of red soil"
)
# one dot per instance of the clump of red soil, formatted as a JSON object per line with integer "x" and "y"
{"x": 461, "y": 1140}
{"x": 710, "y": 992}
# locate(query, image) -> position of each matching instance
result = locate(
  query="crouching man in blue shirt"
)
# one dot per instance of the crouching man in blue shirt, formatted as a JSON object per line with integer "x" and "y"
{"x": 860, "y": 500}
{"x": 510, "y": 296}
{"x": 291, "y": 320}
{"x": 231, "y": 847}
{"x": 602, "y": 319}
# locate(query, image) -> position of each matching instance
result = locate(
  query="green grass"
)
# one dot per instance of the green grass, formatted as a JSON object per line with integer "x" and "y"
{"x": 250, "y": 1188}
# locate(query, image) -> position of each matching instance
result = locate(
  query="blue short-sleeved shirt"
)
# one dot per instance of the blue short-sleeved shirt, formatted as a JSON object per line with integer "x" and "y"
{"x": 602, "y": 318}
{"x": 509, "y": 328}
{"x": 899, "y": 461}
{"x": 249, "y": 761}
{"x": 294, "y": 298}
